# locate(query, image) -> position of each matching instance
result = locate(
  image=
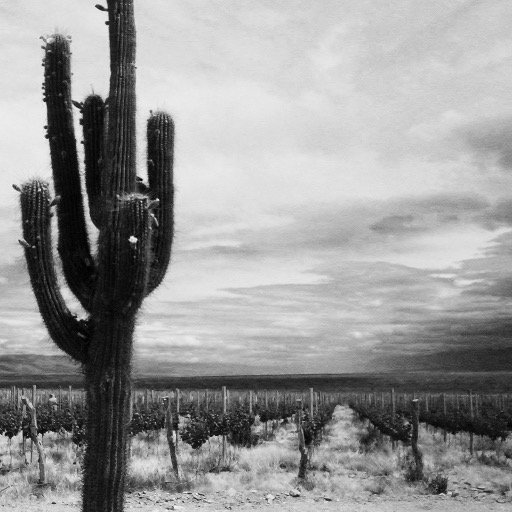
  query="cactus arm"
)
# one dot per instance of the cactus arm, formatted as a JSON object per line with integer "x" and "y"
{"x": 124, "y": 256}
{"x": 93, "y": 116}
{"x": 160, "y": 136}
{"x": 73, "y": 245}
{"x": 69, "y": 333}
{"x": 120, "y": 151}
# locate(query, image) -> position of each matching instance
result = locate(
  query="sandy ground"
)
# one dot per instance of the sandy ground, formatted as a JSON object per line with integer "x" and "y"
{"x": 252, "y": 501}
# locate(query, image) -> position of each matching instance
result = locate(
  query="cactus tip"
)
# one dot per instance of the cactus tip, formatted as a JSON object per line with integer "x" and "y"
{"x": 133, "y": 240}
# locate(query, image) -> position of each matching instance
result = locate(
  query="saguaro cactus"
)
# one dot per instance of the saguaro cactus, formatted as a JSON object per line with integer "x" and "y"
{"x": 135, "y": 223}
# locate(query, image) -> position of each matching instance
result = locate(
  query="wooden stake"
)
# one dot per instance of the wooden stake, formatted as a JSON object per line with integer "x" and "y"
{"x": 33, "y": 436}
{"x": 224, "y": 411}
{"x": 170, "y": 437}
{"x": 471, "y": 415}
{"x": 418, "y": 457}
{"x": 178, "y": 415}
{"x": 302, "y": 444}
{"x": 445, "y": 432}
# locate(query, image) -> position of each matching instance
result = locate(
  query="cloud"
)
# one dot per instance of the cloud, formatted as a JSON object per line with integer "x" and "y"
{"x": 491, "y": 140}
{"x": 394, "y": 224}
{"x": 341, "y": 173}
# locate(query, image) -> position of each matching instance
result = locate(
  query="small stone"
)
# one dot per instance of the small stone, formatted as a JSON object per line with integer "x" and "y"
{"x": 270, "y": 497}
{"x": 294, "y": 493}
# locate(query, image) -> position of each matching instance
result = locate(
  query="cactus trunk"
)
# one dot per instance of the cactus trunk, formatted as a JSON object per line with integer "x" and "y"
{"x": 108, "y": 400}
{"x": 135, "y": 224}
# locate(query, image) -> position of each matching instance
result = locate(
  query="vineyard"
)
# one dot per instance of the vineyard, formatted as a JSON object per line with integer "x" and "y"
{"x": 181, "y": 437}
{"x": 199, "y": 415}
{"x": 191, "y": 417}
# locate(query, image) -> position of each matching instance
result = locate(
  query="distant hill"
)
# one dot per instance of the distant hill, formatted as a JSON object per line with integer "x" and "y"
{"x": 55, "y": 369}
{"x": 50, "y": 371}
{"x": 469, "y": 360}
{"x": 36, "y": 369}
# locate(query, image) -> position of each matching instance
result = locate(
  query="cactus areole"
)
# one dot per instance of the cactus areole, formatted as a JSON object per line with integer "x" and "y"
{"x": 135, "y": 225}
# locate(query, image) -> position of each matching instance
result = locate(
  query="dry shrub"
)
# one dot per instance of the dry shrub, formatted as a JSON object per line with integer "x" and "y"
{"x": 437, "y": 484}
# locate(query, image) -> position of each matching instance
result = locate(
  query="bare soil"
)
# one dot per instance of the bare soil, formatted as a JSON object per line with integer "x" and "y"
{"x": 161, "y": 501}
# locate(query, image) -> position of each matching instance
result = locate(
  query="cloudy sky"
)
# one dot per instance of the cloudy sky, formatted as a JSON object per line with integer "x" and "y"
{"x": 343, "y": 173}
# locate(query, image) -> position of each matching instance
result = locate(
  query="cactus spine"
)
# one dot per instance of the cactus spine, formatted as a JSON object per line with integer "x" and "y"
{"x": 135, "y": 224}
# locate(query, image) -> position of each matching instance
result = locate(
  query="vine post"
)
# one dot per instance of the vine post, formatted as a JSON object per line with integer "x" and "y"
{"x": 445, "y": 432}
{"x": 170, "y": 436}
{"x": 302, "y": 442}
{"x": 418, "y": 457}
{"x": 471, "y": 415}
{"x": 224, "y": 412}
{"x": 34, "y": 438}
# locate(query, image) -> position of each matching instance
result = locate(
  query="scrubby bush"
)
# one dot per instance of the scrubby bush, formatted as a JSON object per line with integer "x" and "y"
{"x": 437, "y": 484}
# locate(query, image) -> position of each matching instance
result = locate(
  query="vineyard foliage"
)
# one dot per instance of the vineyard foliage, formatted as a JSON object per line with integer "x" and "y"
{"x": 395, "y": 426}
{"x": 195, "y": 426}
{"x": 490, "y": 420}
{"x": 492, "y": 423}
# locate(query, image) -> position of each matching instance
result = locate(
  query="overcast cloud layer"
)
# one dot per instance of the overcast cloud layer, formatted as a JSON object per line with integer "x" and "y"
{"x": 343, "y": 172}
